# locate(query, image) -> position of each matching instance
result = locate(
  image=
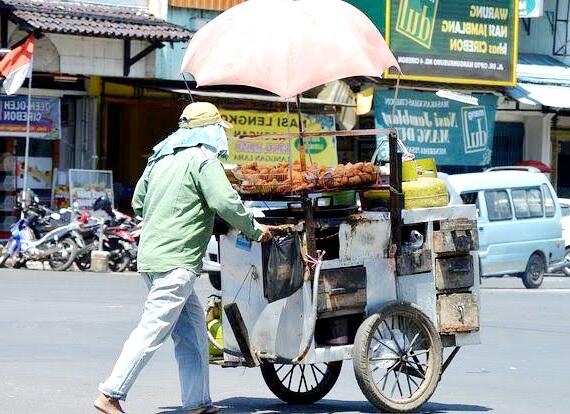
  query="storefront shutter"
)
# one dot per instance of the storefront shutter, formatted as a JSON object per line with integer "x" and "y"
{"x": 507, "y": 144}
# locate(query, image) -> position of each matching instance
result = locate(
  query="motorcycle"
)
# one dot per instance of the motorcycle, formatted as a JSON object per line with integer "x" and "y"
{"x": 58, "y": 246}
{"x": 89, "y": 232}
{"x": 122, "y": 247}
{"x": 118, "y": 241}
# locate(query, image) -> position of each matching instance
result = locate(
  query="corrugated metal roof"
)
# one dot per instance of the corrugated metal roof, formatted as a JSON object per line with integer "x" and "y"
{"x": 88, "y": 19}
{"x": 542, "y": 69}
{"x": 541, "y": 81}
{"x": 205, "y": 4}
{"x": 554, "y": 96}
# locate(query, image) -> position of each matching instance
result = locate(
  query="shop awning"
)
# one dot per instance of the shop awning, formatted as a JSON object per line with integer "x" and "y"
{"x": 541, "y": 95}
{"x": 542, "y": 81}
{"x": 94, "y": 20}
{"x": 255, "y": 97}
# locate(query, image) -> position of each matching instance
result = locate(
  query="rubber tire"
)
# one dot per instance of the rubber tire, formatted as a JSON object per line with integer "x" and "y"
{"x": 123, "y": 264}
{"x": 566, "y": 270}
{"x": 67, "y": 264}
{"x": 215, "y": 280}
{"x": 83, "y": 263}
{"x": 3, "y": 259}
{"x": 4, "y": 251}
{"x": 527, "y": 279}
{"x": 291, "y": 397}
{"x": 360, "y": 359}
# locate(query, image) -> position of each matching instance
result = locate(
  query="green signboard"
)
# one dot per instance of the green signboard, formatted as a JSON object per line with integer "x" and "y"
{"x": 452, "y": 132}
{"x": 460, "y": 41}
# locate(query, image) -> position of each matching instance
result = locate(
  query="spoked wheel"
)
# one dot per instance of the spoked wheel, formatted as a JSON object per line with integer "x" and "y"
{"x": 4, "y": 258}
{"x": 63, "y": 258}
{"x": 397, "y": 358}
{"x": 119, "y": 258}
{"x": 120, "y": 261}
{"x": 301, "y": 384}
{"x": 83, "y": 262}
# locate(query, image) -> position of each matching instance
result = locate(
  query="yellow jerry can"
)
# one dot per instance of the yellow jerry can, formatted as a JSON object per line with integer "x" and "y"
{"x": 424, "y": 192}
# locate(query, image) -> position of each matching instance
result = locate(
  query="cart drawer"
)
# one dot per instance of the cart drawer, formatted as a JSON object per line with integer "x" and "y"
{"x": 455, "y": 237}
{"x": 458, "y": 313}
{"x": 414, "y": 262}
{"x": 342, "y": 289}
{"x": 454, "y": 272}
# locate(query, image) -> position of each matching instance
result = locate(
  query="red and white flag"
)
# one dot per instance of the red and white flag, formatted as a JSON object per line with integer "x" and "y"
{"x": 17, "y": 65}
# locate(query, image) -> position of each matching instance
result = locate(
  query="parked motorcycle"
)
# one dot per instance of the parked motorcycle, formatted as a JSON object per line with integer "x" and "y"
{"x": 90, "y": 229}
{"x": 117, "y": 239}
{"x": 36, "y": 238}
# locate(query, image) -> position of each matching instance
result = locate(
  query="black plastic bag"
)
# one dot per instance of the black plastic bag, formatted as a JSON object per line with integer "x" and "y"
{"x": 282, "y": 267}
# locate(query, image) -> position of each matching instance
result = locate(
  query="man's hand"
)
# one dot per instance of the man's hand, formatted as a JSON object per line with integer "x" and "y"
{"x": 266, "y": 236}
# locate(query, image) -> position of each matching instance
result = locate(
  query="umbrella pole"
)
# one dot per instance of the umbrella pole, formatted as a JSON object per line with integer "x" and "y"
{"x": 301, "y": 141}
{"x": 290, "y": 148}
{"x": 188, "y": 88}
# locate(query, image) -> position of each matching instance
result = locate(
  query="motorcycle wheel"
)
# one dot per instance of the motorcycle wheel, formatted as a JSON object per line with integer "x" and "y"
{"x": 4, "y": 259}
{"x": 83, "y": 262}
{"x": 63, "y": 258}
{"x": 119, "y": 261}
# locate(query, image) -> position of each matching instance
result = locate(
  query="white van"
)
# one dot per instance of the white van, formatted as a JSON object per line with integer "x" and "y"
{"x": 520, "y": 232}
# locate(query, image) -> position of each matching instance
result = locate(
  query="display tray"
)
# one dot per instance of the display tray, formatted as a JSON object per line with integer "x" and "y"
{"x": 309, "y": 193}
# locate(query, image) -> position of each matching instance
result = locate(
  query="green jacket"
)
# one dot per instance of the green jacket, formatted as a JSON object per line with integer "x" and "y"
{"x": 178, "y": 196}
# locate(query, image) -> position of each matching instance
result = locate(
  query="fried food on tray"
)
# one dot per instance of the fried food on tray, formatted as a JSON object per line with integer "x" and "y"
{"x": 349, "y": 175}
{"x": 282, "y": 179}
{"x": 276, "y": 179}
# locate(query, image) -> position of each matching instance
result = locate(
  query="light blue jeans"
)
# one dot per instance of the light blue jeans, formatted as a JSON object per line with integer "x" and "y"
{"x": 171, "y": 308}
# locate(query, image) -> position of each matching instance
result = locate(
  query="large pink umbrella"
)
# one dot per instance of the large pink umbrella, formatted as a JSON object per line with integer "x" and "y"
{"x": 287, "y": 46}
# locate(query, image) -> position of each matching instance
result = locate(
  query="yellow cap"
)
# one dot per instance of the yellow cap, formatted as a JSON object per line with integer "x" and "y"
{"x": 199, "y": 114}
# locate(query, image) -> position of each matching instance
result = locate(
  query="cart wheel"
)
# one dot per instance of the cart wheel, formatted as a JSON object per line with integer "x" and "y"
{"x": 301, "y": 384}
{"x": 397, "y": 358}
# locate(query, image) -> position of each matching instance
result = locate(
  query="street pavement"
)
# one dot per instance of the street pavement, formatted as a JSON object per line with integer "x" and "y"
{"x": 61, "y": 332}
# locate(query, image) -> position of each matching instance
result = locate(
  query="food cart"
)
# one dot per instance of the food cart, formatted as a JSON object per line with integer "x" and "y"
{"x": 388, "y": 290}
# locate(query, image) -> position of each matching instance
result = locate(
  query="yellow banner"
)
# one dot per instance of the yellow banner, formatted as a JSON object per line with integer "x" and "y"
{"x": 319, "y": 150}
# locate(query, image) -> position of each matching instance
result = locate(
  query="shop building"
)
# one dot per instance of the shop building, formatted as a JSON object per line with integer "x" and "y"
{"x": 459, "y": 47}
{"x": 78, "y": 47}
{"x": 541, "y": 99}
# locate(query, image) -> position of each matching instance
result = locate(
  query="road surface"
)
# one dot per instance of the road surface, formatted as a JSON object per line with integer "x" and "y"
{"x": 61, "y": 332}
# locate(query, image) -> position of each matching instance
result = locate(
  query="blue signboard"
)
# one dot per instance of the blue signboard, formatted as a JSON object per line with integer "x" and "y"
{"x": 45, "y": 118}
{"x": 452, "y": 132}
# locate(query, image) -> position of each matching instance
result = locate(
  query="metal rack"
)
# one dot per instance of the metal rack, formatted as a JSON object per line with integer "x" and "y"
{"x": 394, "y": 187}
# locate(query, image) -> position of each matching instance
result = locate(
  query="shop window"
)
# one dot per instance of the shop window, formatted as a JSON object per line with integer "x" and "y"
{"x": 527, "y": 203}
{"x": 549, "y": 207}
{"x": 498, "y": 205}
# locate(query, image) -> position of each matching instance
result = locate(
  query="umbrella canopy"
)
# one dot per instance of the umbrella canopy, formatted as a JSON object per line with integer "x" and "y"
{"x": 287, "y": 46}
